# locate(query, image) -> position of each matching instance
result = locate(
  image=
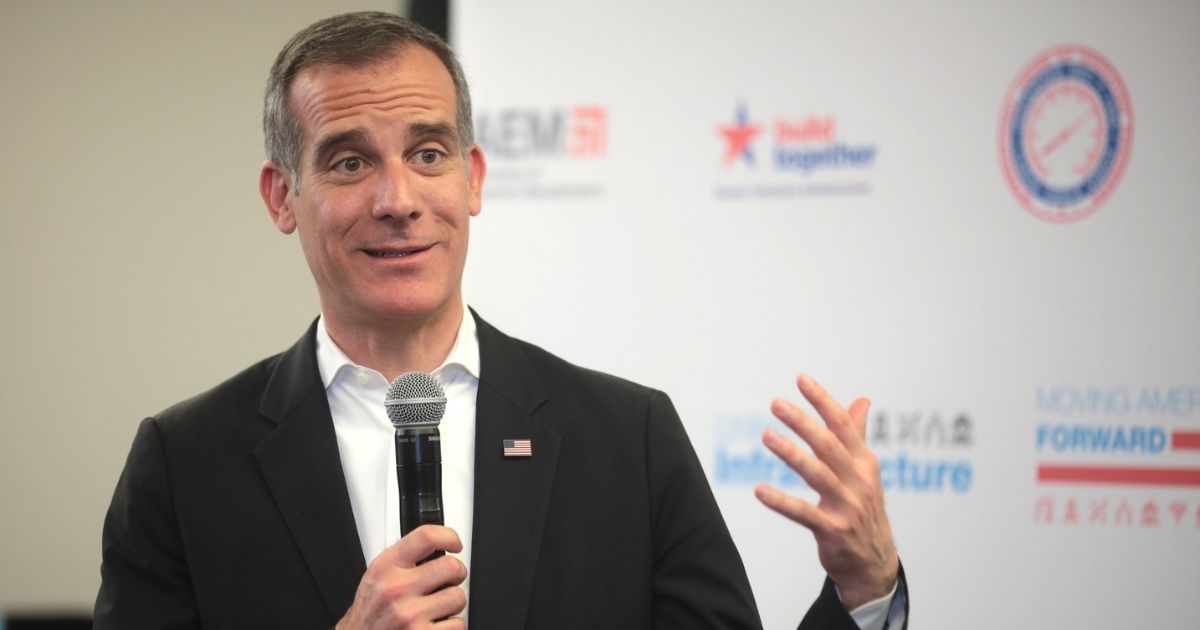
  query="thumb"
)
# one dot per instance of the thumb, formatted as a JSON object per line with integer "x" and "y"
{"x": 858, "y": 415}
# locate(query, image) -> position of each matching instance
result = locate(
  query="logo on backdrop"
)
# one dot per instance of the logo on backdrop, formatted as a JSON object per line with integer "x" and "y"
{"x": 543, "y": 153}
{"x": 738, "y": 137}
{"x": 923, "y": 451}
{"x": 739, "y": 457}
{"x": 1117, "y": 456}
{"x": 919, "y": 452}
{"x": 1066, "y": 127}
{"x": 790, "y": 156}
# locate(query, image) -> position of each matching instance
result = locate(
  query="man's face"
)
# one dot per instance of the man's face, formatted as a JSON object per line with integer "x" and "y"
{"x": 384, "y": 193}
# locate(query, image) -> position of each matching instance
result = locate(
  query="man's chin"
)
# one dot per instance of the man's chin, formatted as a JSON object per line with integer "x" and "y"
{"x": 412, "y": 311}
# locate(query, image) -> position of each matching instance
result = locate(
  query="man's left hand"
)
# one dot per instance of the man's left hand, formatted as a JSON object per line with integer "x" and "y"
{"x": 854, "y": 539}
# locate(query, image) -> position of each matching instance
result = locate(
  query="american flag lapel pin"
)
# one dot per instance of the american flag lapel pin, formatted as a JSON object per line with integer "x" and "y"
{"x": 518, "y": 448}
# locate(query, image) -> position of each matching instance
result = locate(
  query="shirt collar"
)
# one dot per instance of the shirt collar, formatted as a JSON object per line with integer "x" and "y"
{"x": 464, "y": 354}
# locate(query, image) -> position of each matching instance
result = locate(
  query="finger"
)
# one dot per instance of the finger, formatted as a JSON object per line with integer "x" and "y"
{"x": 798, "y": 510}
{"x": 814, "y": 472}
{"x": 835, "y": 417}
{"x": 423, "y": 587}
{"x": 858, "y": 416}
{"x": 422, "y": 611}
{"x": 441, "y": 572}
{"x": 825, "y": 445}
{"x": 446, "y": 603}
{"x": 420, "y": 543}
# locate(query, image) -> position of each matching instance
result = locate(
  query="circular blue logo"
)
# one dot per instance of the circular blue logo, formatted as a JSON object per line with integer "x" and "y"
{"x": 1065, "y": 133}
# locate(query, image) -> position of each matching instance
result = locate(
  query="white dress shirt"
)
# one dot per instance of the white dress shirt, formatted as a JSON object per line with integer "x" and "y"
{"x": 366, "y": 445}
{"x": 888, "y": 610}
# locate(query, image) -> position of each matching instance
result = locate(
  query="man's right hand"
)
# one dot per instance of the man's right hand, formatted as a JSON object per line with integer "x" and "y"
{"x": 397, "y": 593}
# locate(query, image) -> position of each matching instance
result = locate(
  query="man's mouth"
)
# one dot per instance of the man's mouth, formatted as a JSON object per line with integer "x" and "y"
{"x": 395, "y": 253}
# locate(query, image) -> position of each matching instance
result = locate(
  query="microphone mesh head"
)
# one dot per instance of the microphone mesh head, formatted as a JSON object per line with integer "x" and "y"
{"x": 415, "y": 399}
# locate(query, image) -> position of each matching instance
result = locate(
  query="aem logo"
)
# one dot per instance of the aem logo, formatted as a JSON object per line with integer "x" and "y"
{"x": 521, "y": 133}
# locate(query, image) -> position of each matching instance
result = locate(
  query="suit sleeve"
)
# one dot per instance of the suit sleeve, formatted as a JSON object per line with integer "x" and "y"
{"x": 144, "y": 574}
{"x": 829, "y": 612}
{"x": 698, "y": 576}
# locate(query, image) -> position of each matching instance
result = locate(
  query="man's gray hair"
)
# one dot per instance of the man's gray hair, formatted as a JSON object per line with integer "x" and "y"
{"x": 351, "y": 40}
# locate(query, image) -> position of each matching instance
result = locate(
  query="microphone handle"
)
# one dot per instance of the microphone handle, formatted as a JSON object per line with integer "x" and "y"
{"x": 419, "y": 473}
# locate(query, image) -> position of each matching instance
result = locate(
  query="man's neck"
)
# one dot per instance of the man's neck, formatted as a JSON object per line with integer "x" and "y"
{"x": 400, "y": 346}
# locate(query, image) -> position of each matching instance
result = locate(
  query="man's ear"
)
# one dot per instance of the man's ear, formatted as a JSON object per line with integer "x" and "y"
{"x": 275, "y": 186}
{"x": 477, "y": 169}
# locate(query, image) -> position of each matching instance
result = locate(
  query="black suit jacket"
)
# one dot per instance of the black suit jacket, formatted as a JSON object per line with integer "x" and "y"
{"x": 232, "y": 510}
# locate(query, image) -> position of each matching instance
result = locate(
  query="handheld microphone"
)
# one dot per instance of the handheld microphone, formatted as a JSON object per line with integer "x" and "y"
{"x": 415, "y": 404}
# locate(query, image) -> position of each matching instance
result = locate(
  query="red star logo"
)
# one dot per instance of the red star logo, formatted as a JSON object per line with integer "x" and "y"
{"x": 738, "y": 137}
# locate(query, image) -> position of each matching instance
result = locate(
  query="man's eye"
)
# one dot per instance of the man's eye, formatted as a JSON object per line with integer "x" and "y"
{"x": 429, "y": 156}
{"x": 351, "y": 165}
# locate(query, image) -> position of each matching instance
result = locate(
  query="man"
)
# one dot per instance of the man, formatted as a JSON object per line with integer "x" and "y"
{"x": 269, "y": 501}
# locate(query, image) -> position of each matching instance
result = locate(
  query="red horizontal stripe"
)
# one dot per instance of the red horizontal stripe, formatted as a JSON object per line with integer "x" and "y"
{"x": 1185, "y": 440}
{"x": 1119, "y": 475}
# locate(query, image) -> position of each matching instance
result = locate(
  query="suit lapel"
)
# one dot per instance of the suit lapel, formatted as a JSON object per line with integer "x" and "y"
{"x": 302, "y": 468}
{"x": 512, "y": 494}
{"x": 300, "y": 462}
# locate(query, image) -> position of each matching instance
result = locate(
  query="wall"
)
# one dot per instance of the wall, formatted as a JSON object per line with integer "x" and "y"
{"x": 132, "y": 238}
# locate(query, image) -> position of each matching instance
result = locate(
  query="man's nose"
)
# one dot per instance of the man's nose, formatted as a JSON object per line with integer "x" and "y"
{"x": 395, "y": 195}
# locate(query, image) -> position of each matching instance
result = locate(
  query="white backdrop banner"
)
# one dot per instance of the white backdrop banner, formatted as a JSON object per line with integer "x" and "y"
{"x": 981, "y": 216}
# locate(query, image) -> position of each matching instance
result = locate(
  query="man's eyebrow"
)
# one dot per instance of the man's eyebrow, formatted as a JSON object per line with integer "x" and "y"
{"x": 330, "y": 143}
{"x": 425, "y": 130}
